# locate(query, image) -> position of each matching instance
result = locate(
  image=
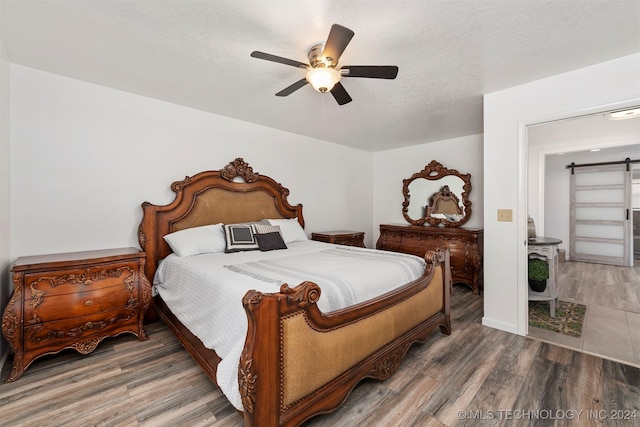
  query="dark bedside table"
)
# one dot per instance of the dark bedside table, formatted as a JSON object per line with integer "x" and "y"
{"x": 340, "y": 237}
{"x": 74, "y": 300}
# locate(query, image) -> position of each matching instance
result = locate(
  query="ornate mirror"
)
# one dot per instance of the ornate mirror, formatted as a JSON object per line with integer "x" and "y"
{"x": 437, "y": 196}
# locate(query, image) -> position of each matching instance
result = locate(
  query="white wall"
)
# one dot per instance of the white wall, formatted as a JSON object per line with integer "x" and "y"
{"x": 601, "y": 87}
{"x": 391, "y": 167}
{"x": 5, "y": 242}
{"x": 84, "y": 157}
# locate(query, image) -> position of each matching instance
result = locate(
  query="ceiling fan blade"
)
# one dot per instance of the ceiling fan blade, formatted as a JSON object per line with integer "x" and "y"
{"x": 339, "y": 38}
{"x": 279, "y": 59}
{"x": 371, "y": 71}
{"x": 340, "y": 94}
{"x": 294, "y": 87}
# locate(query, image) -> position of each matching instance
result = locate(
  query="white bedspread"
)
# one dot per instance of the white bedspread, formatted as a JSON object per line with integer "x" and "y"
{"x": 205, "y": 291}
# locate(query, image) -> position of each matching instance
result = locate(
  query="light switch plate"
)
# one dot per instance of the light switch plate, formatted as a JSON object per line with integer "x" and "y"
{"x": 505, "y": 215}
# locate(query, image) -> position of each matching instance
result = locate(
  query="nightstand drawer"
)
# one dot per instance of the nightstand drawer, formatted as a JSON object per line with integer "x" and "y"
{"x": 56, "y": 307}
{"x": 54, "y": 336}
{"x": 71, "y": 281}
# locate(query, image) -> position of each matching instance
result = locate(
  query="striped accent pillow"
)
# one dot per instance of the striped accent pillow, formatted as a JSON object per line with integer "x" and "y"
{"x": 266, "y": 228}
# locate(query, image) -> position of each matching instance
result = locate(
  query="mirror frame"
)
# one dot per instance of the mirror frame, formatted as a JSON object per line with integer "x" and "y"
{"x": 433, "y": 172}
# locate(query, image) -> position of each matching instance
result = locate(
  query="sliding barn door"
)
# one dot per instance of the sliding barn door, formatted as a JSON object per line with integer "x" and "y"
{"x": 601, "y": 229}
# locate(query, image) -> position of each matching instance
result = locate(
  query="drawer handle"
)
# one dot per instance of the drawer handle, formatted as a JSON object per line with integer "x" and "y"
{"x": 88, "y": 302}
{"x": 88, "y": 282}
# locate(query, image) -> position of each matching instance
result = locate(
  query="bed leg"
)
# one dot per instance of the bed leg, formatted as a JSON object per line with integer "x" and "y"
{"x": 445, "y": 328}
{"x": 259, "y": 372}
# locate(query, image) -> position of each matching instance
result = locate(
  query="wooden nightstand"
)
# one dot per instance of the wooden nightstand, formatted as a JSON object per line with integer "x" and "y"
{"x": 340, "y": 237}
{"x": 74, "y": 300}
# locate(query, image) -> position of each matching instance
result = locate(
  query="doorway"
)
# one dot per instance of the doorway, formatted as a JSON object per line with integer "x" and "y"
{"x": 613, "y": 306}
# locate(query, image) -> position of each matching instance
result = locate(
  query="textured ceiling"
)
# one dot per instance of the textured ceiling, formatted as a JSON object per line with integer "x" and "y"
{"x": 196, "y": 53}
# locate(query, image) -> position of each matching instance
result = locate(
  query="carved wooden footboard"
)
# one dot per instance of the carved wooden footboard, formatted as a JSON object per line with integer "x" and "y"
{"x": 298, "y": 362}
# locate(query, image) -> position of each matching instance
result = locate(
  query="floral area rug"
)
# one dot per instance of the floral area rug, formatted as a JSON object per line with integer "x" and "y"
{"x": 569, "y": 317}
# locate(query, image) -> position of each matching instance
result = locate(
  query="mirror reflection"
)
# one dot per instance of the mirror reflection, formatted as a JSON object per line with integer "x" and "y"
{"x": 437, "y": 196}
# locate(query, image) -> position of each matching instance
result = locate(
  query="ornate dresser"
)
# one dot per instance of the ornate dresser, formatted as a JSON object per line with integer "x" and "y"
{"x": 74, "y": 300}
{"x": 465, "y": 245}
{"x": 436, "y": 204}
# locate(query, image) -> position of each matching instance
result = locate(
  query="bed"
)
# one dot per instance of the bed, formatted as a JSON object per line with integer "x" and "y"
{"x": 288, "y": 370}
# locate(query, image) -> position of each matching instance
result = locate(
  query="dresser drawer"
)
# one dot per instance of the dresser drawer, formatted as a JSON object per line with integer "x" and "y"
{"x": 64, "y": 282}
{"x": 397, "y": 246}
{"x": 457, "y": 250}
{"x": 54, "y": 336}
{"x": 465, "y": 246}
{"x": 55, "y": 307}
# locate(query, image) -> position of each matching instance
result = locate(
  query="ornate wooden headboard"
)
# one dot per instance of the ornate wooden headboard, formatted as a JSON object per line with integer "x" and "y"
{"x": 233, "y": 194}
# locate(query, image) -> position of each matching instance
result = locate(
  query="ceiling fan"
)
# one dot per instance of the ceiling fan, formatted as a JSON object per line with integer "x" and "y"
{"x": 323, "y": 60}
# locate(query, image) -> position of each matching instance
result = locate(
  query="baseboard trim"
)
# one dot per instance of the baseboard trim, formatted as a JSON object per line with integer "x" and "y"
{"x": 507, "y": 327}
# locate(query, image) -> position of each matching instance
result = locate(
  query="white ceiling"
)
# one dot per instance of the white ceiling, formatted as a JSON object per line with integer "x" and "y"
{"x": 196, "y": 53}
{"x": 579, "y": 137}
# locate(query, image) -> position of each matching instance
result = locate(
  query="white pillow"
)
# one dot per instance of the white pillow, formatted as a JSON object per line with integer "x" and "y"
{"x": 290, "y": 229}
{"x": 197, "y": 240}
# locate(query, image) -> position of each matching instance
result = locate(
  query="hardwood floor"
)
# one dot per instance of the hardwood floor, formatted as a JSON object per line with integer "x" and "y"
{"x": 611, "y": 328}
{"x": 493, "y": 377}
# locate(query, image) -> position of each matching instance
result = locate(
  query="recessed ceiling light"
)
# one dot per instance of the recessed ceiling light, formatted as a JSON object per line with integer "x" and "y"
{"x": 624, "y": 114}
{"x": 595, "y": 149}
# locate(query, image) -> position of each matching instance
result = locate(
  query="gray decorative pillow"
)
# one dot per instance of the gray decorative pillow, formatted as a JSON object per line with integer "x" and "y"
{"x": 240, "y": 237}
{"x": 269, "y": 237}
{"x": 270, "y": 241}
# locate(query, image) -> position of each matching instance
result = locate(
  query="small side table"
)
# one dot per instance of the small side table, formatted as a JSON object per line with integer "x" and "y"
{"x": 546, "y": 248}
{"x": 340, "y": 237}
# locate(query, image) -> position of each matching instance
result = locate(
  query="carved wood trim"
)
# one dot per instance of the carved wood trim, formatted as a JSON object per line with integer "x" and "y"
{"x": 390, "y": 364}
{"x": 86, "y": 347}
{"x": 145, "y": 298}
{"x": 433, "y": 172}
{"x": 247, "y": 380}
{"x": 239, "y": 168}
{"x": 12, "y": 328}
{"x": 158, "y": 220}
{"x": 86, "y": 278}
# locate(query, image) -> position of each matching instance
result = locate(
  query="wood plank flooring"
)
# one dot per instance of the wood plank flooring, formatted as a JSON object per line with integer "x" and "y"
{"x": 611, "y": 293}
{"x": 493, "y": 377}
{"x": 600, "y": 284}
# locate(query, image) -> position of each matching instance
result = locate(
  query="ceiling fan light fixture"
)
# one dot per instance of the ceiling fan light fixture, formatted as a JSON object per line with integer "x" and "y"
{"x": 323, "y": 79}
{"x": 322, "y": 71}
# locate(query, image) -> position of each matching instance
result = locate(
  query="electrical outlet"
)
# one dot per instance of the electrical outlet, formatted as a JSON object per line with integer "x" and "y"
{"x": 505, "y": 215}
